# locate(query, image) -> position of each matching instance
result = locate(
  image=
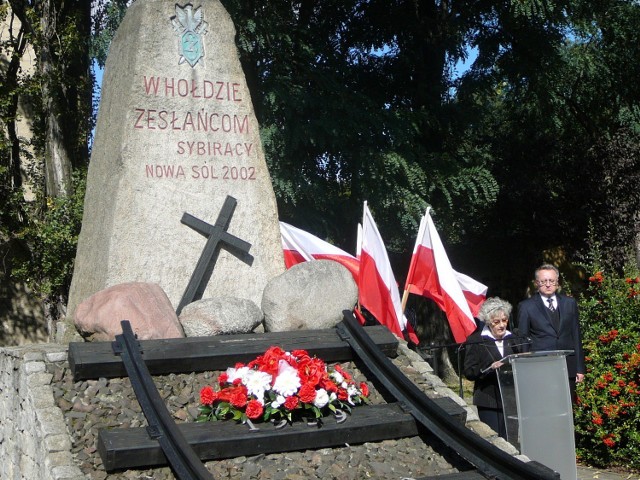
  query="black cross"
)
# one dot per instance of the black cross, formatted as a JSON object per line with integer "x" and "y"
{"x": 217, "y": 237}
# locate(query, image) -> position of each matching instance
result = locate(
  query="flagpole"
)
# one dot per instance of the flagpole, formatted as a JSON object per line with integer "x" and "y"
{"x": 405, "y": 296}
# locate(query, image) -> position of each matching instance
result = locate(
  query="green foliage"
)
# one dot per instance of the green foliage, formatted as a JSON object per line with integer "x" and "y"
{"x": 607, "y": 417}
{"x": 615, "y": 166}
{"x": 51, "y": 237}
{"x": 107, "y": 16}
{"x": 349, "y": 96}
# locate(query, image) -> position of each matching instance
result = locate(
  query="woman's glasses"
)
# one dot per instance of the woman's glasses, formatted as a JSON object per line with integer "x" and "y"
{"x": 498, "y": 321}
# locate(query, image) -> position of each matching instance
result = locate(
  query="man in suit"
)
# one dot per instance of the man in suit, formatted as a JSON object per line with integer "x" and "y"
{"x": 551, "y": 320}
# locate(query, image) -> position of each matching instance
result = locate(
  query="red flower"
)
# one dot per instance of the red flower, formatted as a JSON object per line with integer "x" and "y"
{"x": 364, "y": 388}
{"x": 269, "y": 361}
{"x": 597, "y": 419}
{"x": 238, "y": 403}
{"x": 608, "y": 440}
{"x": 597, "y": 278}
{"x": 254, "y": 409}
{"x": 346, "y": 376}
{"x": 207, "y": 396}
{"x": 238, "y": 396}
{"x": 307, "y": 393}
{"x": 311, "y": 370}
{"x": 342, "y": 395}
{"x": 300, "y": 354}
{"x": 609, "y": 337}
{"x": 329, "y": 386}
{"x": 291, "y": 402}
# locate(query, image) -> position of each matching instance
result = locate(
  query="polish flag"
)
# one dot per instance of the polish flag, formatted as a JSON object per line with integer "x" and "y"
{"x": 474, "y": 291}
{"x": 378, "y": 289}
{"x": 430, "y": 275}
{"x": 299, "y": 246}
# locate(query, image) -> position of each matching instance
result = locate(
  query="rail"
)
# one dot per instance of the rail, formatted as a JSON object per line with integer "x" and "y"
{"x": 486, "y": 457}
{"x": 183, "y": 460}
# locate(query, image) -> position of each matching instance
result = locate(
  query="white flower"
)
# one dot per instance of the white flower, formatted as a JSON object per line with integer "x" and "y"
{"x": 337, "y": 377}
{"x": 287, "y": 382}
{"x": 278, "y": 401}
{"x": 322, "y": 398}
{"x": 235, "y": 373}
{"x": 257, "y": 383}
{"x": 352, "y": 391}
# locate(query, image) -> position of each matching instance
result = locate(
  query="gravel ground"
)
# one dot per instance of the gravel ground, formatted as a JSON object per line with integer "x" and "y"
{"x": 89, "y": 406}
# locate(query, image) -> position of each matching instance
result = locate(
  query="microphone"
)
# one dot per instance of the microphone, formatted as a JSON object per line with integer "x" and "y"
{"x": 526, "y": 338}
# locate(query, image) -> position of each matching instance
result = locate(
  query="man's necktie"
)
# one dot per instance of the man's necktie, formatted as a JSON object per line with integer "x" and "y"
{"x": 550, "y": 302}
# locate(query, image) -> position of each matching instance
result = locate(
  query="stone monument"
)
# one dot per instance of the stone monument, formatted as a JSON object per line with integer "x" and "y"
{"x": 176, "y": 135}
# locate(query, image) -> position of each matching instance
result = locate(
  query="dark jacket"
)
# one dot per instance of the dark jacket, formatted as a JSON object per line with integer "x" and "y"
{"x": 480, "y": 352}
{"x": 534, "y": 321}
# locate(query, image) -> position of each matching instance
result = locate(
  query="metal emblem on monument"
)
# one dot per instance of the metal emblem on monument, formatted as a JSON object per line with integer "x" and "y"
{"x": 189, "y": 25}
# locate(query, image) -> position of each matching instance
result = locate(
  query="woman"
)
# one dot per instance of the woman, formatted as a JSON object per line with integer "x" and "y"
{"x": 483, "y": 351}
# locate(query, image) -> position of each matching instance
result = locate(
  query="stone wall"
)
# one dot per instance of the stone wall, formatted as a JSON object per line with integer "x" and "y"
{"x": 34, "y": 442}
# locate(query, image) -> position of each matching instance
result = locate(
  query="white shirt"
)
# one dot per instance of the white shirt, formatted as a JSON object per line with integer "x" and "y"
{"x": 486, "y": 332}
{"x": 554, "y": 301}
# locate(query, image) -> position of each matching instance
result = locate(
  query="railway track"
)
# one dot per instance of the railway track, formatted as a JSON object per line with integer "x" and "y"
{"x": 186, "y": 445}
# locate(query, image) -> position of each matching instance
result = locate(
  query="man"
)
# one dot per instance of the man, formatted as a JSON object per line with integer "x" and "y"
{"x": 551, "y": 320}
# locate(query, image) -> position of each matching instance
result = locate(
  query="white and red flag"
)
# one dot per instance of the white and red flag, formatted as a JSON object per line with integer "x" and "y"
{"x": 431, "y": 275}
{"x": 378, "y": 289}
{"x": 300, "y": 246}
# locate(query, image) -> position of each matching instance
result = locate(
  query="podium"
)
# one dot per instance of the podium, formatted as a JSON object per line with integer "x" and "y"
{"x": 537, "y": 408}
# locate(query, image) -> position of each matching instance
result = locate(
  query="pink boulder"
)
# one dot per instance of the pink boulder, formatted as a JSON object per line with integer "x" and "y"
{"x": 145, "y": 305}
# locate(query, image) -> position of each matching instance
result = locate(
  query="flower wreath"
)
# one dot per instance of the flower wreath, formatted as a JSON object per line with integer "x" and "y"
{"x": 279, "y": 386}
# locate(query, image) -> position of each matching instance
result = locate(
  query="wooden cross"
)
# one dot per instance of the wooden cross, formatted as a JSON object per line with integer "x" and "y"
{"x": 218, "y": 237}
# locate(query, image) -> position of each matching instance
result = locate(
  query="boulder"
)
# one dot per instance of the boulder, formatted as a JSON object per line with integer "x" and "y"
{"x": 219, "y": 316}
{"x": 145, "y": 305}
{"x": 308, "y": 296}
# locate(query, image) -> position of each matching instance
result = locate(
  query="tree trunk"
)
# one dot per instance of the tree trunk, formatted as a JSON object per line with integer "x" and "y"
{"x": 57, "y": 157}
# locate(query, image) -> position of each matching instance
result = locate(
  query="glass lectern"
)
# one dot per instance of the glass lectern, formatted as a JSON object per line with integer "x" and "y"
{"x": 537, "y": 408}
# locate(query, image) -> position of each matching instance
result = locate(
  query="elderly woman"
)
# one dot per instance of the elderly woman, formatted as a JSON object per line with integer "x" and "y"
{"x": 483, "y": 350}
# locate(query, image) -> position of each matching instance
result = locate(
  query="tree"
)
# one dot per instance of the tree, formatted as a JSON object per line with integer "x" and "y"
{"x": 350, "y": 99}
{"x": 54, "y": 99}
